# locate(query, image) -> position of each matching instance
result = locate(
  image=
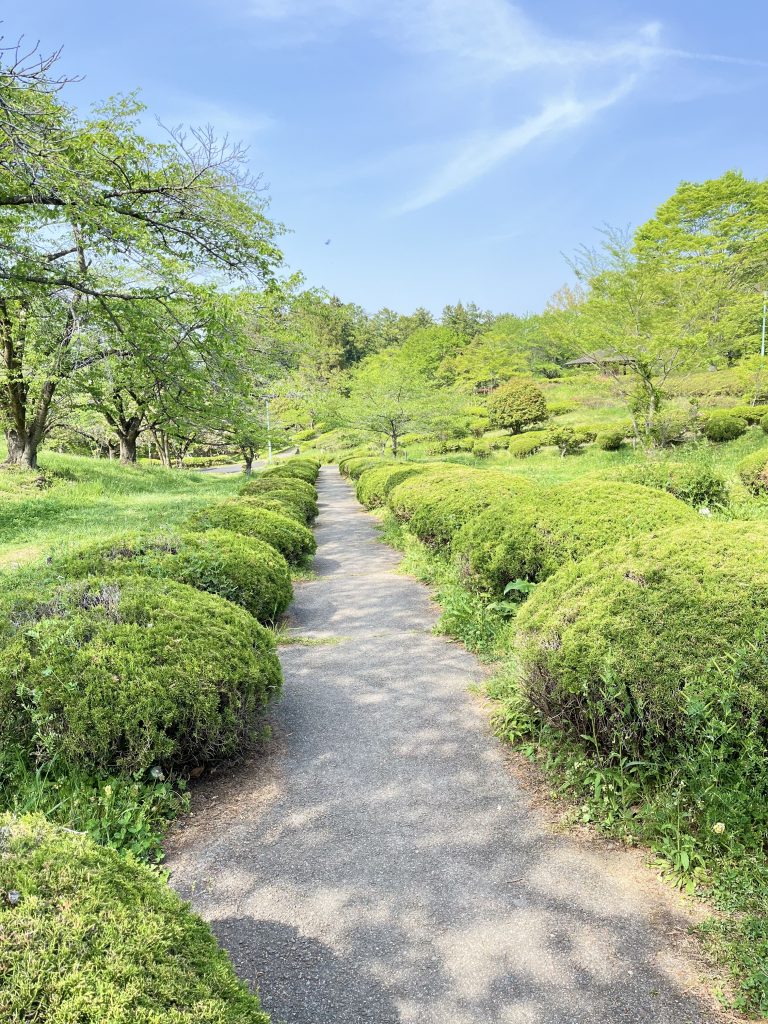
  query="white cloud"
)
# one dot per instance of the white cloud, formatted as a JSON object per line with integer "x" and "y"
{"x": 482, "y": 152}
{"x": 224, "y": 120}
{"x": 483, "y": 47}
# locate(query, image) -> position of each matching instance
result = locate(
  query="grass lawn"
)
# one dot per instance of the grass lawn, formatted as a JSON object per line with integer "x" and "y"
{"x": 72, "y": 499}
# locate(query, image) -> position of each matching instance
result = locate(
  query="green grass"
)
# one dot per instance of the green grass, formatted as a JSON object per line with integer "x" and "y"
{"x": 74, "y": 498}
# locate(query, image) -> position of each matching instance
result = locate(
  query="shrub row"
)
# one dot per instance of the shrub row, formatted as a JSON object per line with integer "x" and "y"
{"x": 91, "y": 935}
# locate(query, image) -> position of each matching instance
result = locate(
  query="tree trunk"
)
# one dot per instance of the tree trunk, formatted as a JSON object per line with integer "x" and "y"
{"x": 22, "y": 451}
{"x": 128, "y": 449}
{"x": 248, "y": 459}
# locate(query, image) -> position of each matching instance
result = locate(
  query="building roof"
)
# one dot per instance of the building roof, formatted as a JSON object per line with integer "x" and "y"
{"x": 600, "y": 357}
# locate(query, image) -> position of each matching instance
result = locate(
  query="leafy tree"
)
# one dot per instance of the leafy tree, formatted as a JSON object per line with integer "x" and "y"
{"x": 517, "y": 404}
{"x": 391, "y": 397}
{"x": 94, "y": 217}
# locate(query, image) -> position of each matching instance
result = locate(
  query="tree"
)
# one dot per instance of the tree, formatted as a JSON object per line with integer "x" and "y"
{"x": 93, "y": 218}
{"x": 641, "y": 316}
{"x": 390, "y": 397}
{"x": 516, "y": 405}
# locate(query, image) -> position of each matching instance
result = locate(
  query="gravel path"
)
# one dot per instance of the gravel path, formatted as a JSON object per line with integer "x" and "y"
{"x": 382, "y": 864}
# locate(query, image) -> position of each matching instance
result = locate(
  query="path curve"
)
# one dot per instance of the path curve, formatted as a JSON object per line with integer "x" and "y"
{"x": 381, "y": 863}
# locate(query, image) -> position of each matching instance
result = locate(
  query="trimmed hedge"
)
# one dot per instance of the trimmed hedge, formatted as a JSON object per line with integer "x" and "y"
{"x": 435, "y": 505}
{"x": 374, "y": 484}
{"x": 528, "y": 443}
{"x": 130, "y": 674}
{"x": 723, "y": 426}
{"x": 294, "y": 469}
{"x": 517, "y": 404}
{"x": 356, "y": 466}
{"x": 297, "y": 493}
{"x": 96, "y": 936}
{"x": 753, "y": 471}
{"x": 610, "y": 440}
{"x": 532, "y": 536}
{"x": 278, "y": 501}
{"x": 293, "y": 540}
{"x": 244, "y": 570}
{"x": 203, "y": 461}
{"x": 695, "y": 483}
{"x": 614, "y": 645}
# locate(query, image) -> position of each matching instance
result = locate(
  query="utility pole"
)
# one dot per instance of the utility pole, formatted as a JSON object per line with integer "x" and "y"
{"x": 762, "y": 343}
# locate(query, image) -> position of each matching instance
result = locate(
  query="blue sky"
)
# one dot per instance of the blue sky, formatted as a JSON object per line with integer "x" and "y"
{"x": 449, "y": 149}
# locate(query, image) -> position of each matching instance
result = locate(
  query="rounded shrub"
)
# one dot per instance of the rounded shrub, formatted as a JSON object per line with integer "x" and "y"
{"x": 294, "y": 469}
{"x": 764, "y": 423}
{"x": 517, "y": 404}
{"x": 245, "y": 570}
{"x": 723, "y": 427}
{"x": 695, "y": 482}
{"x": 528, "y": 443}
{"x": 92, "y": 935}
{"x": 354, "y": 468}
{"x": 131, "y": 673}
{"x": 615, "y": 644}
{"x": 297, "y": 493}
{"x": 278, "y": 501}
{"x": 292, "y": 539}
{"x": 533, "y": 535}
{"x": 753, "y": 471}
{"x": 374, "y": 484}
{"x": 435, "y": 505}
{"x": 610, "y": 440}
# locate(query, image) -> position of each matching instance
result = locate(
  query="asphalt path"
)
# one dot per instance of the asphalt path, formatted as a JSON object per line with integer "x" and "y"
{"x": 383, "y": 862}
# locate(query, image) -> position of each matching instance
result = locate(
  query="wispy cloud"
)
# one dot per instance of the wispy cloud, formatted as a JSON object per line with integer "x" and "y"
{"x": 480, "y": 153}
{"x": 225, "y": 120}
{"x": 484, "y": 47}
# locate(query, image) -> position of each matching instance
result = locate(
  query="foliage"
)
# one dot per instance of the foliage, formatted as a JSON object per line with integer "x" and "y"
{"x": 244, "y": 570}
{"x": 436, "y": 504}
{"x": 694, "y": 481}
{"x": 753, "y": 471}
{"x": 375, "y": 482}
{"x": 528, "y": 443}
{"x": 723, "y": 427}
{"x": 569, "y": 440}
{"x": 295, "y": 492}
{"x": 637, "y": 626}
{"x": 517, "y": 404}
{"x": 94, "y": 935}
{"x": 610, "y": 440}
{"x": 533, "y": 535}
{"x": 292, "y": 539}
{"x": 130, "y": 674}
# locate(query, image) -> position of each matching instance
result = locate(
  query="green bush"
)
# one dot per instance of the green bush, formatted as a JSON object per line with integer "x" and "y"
{"x": 533, "y": 535}
{"x": 570, "y": 440}
{"x": 753, "y": 471}
{"x": 695, "y": 482}
{"x": 753, "y": 414}
{"x": 130, "y": 674}
{"x": 374, "y": 484}
{"x": 481, "y": 449}
{"x": 296, "y": 493}
{"x": 722, "y": 426}
{"x": 304, "y": 435}
{"x": 245, "y": 570}
{"x": 355, "y": 467}
{"x": 292, "y": 539}
{"x": 610, "y": 440}
{"x": 528, "y": 443}
{"x": 560, "y": 408}
{"x": 297, "y": 468}
{"x": 438, "y": 503}
{"x": 614, "y": 646}
{"x": 673, "y": 428}
{"x": 517, "y": 404}
{"x": 95, "y": 936}
{"x": 764, "y": 423}
{"x": 202, "y": 461}
{"x": 279, "y": 501}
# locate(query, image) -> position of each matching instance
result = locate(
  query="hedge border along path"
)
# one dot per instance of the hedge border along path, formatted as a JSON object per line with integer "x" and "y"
{"x": 385, "y": 866}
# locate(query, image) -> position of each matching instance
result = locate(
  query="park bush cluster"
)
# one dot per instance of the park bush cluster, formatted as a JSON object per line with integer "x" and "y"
{"x": 128, "y": 665}
{"x": 635, "y": 634}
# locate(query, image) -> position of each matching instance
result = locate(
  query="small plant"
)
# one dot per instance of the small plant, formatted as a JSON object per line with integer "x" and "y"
{"x": 610, "y": 440}
{"x": 720, "y": 427}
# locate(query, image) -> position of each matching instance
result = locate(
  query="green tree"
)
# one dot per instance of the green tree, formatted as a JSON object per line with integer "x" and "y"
{"x": 517, "y": 404}
{"x": 94, "y": 217}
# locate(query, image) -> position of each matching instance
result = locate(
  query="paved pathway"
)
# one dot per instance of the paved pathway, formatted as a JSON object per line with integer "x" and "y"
{"x": 382, "y": 864}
